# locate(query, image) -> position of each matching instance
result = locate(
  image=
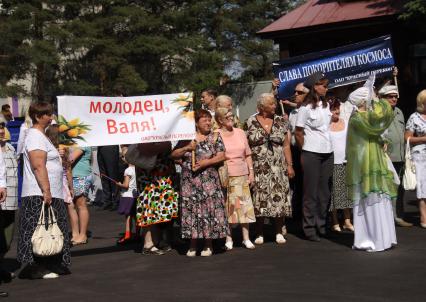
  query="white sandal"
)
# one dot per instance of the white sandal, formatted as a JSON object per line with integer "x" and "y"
{"x": 279, "y": 238}
{"x": 248, "y": 245}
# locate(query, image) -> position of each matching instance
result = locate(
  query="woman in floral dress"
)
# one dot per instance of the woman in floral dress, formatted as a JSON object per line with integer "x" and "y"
{"x": 157, "y": 201}
{"x": 271, "y": 154}
{"x": 203, "y": 204}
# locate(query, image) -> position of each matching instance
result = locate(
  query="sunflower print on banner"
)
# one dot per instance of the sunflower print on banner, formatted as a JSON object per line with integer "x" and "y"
{"x": 157, "y": 203}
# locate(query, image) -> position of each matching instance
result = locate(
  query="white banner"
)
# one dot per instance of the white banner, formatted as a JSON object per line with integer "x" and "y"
{"x": 98, "y": 121}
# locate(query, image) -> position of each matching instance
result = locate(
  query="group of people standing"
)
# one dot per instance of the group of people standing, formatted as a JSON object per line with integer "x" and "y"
{"x": 323, "y": 157}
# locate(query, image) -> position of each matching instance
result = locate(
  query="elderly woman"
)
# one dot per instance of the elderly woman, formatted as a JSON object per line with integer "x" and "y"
{"x": 42, "y": 183}
{"x": 370, "y": 182}
{"x": 270, "y": 145}
{"x": 240, "y": 171}
{"x": 416, "y": 133}
{"x": 313, "y": 137}
{"x": 203, "y": 211}
{"x": 224, "y": 101}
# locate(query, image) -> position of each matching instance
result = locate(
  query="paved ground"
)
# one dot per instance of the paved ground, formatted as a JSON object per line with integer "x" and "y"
{"x": 297, "y": 271}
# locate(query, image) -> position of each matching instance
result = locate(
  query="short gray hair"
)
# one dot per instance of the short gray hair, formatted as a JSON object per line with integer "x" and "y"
{"x": 222, "y": 98}
{"x": 263, "y": 98}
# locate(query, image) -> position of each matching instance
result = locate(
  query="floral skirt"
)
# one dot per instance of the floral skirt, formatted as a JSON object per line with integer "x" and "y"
{"x": 28, "y": 219}
{"x": 82, "y": 185}
{"x": 239, "y": 204}
{"x": 339, "y": 193}
{"x": 157, "y": 203}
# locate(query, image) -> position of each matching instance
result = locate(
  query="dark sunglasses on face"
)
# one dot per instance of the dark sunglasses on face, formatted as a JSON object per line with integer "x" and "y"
{"x": 299, "y": 92}
{"x": 392, "y": 97}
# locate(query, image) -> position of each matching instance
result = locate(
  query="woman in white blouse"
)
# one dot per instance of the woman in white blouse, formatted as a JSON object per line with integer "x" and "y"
{"x": 42, "y": 183}
{"x": 313, "y": 137}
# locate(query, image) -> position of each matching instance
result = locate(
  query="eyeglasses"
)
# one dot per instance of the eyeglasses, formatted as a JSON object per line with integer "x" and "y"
{"x": 299, "y": 92}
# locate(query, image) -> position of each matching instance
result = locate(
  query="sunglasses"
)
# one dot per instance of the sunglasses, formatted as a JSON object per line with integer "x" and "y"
{"x": 299, "y": 92}
{"x": 392, "y": 97}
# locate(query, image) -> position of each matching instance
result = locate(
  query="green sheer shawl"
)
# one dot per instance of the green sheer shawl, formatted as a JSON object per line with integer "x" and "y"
{"x": 367, "y": 167}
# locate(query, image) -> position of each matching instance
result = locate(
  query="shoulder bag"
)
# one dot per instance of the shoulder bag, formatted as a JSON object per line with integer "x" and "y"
{"x": 47, "y": 240}
{"x": 223, "y": 168}
{"x": 409, "y": 178}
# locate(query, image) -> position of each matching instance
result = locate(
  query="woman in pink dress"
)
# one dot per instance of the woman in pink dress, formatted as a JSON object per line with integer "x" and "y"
{"x": 239, "y": 164}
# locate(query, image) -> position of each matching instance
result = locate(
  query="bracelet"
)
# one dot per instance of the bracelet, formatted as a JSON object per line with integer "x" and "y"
{"x": 251, "y": 168}
{"x": 290, "y": 164}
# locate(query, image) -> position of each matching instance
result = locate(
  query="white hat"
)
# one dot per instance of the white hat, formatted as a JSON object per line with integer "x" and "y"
{"x": 359, "y": 96}
{"x": 389, "y": 89}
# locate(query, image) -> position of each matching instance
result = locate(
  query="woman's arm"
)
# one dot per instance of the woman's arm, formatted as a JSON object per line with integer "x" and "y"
{"x": 414, "y": 140}
{"x": 182, "y": 148}
{"x": 287, "y": 156}
{"x": 249, "y": 162}
{"x": 299, "y": 135}
{"x": 75, "y": 155}
{"x": 38, "y": 160}
{"x": 69, "y": 179}
{"x": 125, "y": 184}
{"x": 205, "y": 163}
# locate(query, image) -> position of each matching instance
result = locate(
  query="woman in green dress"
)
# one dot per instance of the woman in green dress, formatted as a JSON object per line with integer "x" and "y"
{"x": 370, "y": 181}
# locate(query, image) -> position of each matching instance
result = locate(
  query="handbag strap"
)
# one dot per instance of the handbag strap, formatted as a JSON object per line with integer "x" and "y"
{"x": 408, "y": 149}
{"x": 52, "y": 217}
{"x": 41, "y": 217}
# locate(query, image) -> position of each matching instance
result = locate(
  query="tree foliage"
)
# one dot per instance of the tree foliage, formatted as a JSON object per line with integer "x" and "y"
{"x": 104, "y": 47}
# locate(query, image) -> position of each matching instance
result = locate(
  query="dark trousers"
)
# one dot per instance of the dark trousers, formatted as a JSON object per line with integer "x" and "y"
{"x": 317, "y": 179}
{"x": 296, "y": 184}
{"x": 108, "y": 158}
{"x": 398, "y": 204}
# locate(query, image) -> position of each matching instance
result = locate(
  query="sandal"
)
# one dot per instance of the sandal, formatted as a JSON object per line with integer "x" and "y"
{"x": 152, "y": 251}
{"x": 75, "y": 243}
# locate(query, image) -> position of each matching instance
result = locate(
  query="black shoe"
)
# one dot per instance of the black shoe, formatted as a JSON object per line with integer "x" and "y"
{"x": 6, "y": 276}
{"x": 4, "y": 295}
{"x": 35, "y": 271}
{"x": 59, "y": 269}
{"x": 151, "y": 251}
{"x": 313, "y": 238}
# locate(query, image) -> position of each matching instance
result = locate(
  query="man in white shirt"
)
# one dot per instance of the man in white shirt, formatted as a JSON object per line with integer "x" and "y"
{"x": 296, "y": 184}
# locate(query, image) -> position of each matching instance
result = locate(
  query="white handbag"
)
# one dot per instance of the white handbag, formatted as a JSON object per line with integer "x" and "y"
{"x": 47, "y": 240}
{"x": 409, "y": 178}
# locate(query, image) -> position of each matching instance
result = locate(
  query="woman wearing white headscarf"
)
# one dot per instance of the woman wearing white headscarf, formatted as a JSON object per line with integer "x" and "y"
{"x": 369, "y": 179}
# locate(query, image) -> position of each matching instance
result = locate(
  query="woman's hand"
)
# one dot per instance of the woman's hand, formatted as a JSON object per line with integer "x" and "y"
{"x": 201, "y": 165}
{"x": 72, "y": 193}
{"x": 47, "y": 198}
{"x": 290, "y": 171}
{"x": 191, "y": 146}
{"x": 3, "y": 194}
{"x": 251, "y": 178}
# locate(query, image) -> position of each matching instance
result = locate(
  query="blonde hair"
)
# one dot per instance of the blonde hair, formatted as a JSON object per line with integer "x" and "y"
{"x": 222, "y": 98}
{"x": 421, "y": 98}
{"x": 263, "y": 98}
{"x": 220, "y": 114}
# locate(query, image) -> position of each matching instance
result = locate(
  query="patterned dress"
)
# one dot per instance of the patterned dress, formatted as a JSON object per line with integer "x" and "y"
{"x": 158, "y": 199}
{"x": 271, "y": 188}
{"x": 203, "y": 204}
